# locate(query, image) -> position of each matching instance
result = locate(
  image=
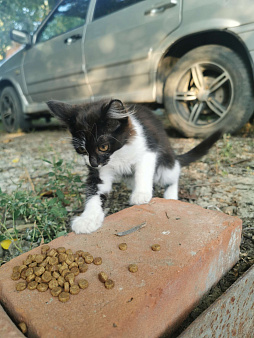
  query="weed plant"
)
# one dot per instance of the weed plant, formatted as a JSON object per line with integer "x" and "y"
{"x": 46, "y": 208}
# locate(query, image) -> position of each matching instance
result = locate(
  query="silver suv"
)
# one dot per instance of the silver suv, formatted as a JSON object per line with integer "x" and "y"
{"x": 192, "y": 57}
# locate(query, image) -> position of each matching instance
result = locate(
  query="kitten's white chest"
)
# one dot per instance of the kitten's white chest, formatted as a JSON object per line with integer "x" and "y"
{"x": 125, "y": 159}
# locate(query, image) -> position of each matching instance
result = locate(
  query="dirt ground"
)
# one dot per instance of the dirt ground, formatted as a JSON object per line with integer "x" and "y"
{"x": 223, "y": 181}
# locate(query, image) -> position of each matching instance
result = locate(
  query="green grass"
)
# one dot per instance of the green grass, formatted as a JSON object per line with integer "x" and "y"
{"x": 46, "y": 208}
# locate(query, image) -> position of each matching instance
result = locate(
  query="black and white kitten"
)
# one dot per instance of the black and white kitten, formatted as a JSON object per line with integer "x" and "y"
{"x": 118, "y": 141}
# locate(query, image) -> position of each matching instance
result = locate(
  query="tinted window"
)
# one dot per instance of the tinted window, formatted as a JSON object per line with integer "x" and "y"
{"x": 69, "y": 15}
{"x": 106, "y": 7}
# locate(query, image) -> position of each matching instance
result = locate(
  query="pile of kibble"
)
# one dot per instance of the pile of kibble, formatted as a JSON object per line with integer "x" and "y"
{"x": 56, "y": 269}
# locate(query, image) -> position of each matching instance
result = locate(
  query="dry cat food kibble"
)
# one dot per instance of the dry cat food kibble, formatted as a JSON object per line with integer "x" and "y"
{"x": 54, "y": 269}
{"x": 156, "y": 247}
{"x": 21, "y": 286}
{"x": 103, "y": 277}
{"x": 97, "y": 261}
{"x": 64, "y": 297}
{"x": 83, "y": 283}
{"x": 23, "y": 327}
{"x": 109, "y": 284}
{"x": 133, "y": 268}
{"x": 122, "y": 246}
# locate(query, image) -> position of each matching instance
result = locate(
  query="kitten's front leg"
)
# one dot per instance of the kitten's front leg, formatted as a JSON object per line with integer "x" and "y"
{"x": 144, "y": 173}
{"x": 92, "y": 217}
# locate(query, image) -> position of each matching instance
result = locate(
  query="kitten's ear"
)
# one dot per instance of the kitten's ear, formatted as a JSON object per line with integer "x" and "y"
{"x": 63, "y": 111}
{"x": 116, "y": 110}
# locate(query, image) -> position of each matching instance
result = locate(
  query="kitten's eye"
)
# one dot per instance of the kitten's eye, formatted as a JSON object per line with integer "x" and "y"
{"x": 81, "y": 150}
{"x": 103, "y": 147}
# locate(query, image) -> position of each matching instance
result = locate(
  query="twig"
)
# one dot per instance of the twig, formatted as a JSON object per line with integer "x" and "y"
{"x": 29, "y": 179}
{"x": 127, "y": 232}
{"x": 241, "y": 161}
{"x": 207, "y": 184}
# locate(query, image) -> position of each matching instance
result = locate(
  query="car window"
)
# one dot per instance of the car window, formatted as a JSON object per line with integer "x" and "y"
{"x": 106, "y": 7}
{"x": 69, "y": 15}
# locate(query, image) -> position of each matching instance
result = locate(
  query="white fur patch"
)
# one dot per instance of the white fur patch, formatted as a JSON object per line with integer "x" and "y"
{"x": 91, "y": 219}
{"x": 169, "y": 177}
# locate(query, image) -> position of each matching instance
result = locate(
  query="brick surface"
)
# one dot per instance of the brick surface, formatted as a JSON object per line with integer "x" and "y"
{"x": 198, "y": 246}
{"x": 7, "y": 327}
{"x": 231, "y": 315}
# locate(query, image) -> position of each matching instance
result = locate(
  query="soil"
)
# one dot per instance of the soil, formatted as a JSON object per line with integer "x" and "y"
{"x": 223, "y": 180}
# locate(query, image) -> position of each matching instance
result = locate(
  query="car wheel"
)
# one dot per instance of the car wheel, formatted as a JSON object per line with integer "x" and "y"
{"x": 11, "y": 112}
{"x": 208, "y": 89}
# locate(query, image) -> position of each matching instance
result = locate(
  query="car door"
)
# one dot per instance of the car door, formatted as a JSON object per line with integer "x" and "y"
{"x": 53, "y": 66}
{"x": 120, "y": 41}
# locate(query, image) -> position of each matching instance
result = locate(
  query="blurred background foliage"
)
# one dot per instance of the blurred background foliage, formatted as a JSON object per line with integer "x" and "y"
{"x": 20, "y": 14}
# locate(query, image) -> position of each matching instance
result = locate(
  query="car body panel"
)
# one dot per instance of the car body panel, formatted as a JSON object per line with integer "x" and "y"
{"x": 119, "y": 54}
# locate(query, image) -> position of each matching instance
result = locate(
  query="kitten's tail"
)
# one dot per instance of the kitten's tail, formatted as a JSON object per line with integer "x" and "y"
{"x": 200, "y": 150}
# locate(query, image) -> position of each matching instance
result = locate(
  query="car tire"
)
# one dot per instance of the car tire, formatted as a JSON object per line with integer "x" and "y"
{"x": 13, "y": 118}
{"x": 209, "y": 89}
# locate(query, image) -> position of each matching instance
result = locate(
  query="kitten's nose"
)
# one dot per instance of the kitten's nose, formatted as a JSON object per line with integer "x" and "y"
{"x": 93, "y": 161}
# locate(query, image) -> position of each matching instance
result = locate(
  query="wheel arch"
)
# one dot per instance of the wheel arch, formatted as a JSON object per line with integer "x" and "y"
{"x": 9, "y": 83}
{"x": 192, "y": 41}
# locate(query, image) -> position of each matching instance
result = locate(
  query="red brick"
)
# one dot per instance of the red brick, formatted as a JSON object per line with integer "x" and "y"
{"x": 198, "y": 247}
{"x": 7, "y": 327}
{"x": 231, "y": 315}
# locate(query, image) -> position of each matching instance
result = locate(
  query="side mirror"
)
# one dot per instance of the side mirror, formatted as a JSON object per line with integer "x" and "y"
{"x": 22, "y": 37}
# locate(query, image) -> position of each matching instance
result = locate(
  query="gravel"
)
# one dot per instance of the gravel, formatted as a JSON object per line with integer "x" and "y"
{"x": 223, "y": 180}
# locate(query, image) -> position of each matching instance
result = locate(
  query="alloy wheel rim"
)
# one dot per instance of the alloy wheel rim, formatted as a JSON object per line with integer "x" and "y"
{"x": 204, "y": 94}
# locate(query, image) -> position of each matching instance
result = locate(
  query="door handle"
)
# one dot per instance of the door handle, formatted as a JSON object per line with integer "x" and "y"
{"x": 72, "y": 39}
{"x": 160, "y": 8}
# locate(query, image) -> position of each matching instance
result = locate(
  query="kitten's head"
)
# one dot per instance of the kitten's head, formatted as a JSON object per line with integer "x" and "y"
{"x": 98, "y": 129}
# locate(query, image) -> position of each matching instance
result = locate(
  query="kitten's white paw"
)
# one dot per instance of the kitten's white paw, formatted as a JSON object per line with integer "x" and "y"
{"x": 140, "y": 198}
{"x": 86, "y": 224}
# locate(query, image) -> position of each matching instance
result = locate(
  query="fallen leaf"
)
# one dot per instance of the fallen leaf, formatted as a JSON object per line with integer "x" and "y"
{"x": 6, "y": 243}
{"x": 15, "y": 160}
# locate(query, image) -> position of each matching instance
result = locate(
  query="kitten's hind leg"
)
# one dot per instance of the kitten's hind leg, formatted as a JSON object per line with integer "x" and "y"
{"x": 171, "y": 192}
{"x": 169, "y": 178}
{"x": 144, "y": 172}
